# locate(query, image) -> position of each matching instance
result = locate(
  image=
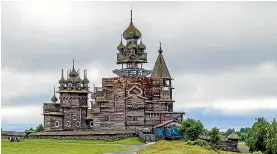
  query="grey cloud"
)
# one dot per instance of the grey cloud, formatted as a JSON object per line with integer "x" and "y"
{"x": 197, "y": 37}
{"x": 26, "y": 101}
{"x": 194, "y": 42}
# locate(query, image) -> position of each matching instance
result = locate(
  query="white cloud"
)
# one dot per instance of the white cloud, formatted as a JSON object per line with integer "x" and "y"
{"x": 16, "y": 83}
{"x": 19, "y": 84}
{"x": 229, "y": 92}
{"x": 236, "y": 91}
{"x": 22, "y": 114}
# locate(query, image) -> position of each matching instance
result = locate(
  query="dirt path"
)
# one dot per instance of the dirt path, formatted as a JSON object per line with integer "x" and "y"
{"x": 243, "y": 149}
{"x": 134, "y": 149}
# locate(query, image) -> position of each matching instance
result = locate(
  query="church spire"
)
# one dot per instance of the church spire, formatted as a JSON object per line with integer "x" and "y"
{"x": 120, "y": 47}
{"x": 62, "y": 80}
{"x": 160, "y": 69}
{"x": 85, "y": 80}
{"x": 131, "y": 15}
{"x": 73, "y": 64}
{"x": 160, "y": 50}
{"x": 73, "y": 72}
{"x": 54, "y": 99}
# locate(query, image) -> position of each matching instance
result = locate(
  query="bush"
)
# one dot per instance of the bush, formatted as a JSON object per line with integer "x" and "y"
{"x": 201, "y": 142}
{"x": 198, "y": 142}
{"x": 191, "y": 129}
{"x": 214, "y": 135}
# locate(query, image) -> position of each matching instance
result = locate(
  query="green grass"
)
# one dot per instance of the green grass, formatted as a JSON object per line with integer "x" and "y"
{"x": 243, "y": 145}
{"x": 133, "y": 140}
{"x": 177, "y": 147}
{"x": 52, "y": 146}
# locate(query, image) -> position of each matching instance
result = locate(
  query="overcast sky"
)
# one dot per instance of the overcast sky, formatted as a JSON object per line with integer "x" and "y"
{"x": 222, "y": 55}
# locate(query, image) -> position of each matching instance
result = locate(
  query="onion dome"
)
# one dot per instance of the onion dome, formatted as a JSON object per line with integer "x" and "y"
{"x": 79, "y": 80}
{"x": 85, "y": 81}
{"x": 120, "y": 47}
{"x": 54, "y": 99}
{"x": 141, "y": 46}
{"x": 73, "y": 73}
{"x": 131, "y": 32}
{"x": 62, "y": 80}
{"x": 132, "y": 45}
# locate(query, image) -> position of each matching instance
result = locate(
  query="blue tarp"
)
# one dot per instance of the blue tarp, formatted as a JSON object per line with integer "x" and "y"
{"x": 159, "y": 131}
{"x": 171, "y": 132}
{"x": 167, "y": 132}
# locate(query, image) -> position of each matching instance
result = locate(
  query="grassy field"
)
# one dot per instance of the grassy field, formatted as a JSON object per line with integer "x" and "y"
{"x": 51, "y": 146}
{"x": 177, "y": 147}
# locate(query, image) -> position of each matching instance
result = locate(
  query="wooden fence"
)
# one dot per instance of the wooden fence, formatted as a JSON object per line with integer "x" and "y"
{"x": 146, "y": 137}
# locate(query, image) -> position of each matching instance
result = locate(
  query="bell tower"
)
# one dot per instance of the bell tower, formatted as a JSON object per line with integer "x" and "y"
{"x": 131, "y": 56}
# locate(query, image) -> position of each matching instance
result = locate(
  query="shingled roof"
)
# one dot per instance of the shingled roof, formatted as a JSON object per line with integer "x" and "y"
{"x": 160, "y": 69}
{"x": 233, "y": 136}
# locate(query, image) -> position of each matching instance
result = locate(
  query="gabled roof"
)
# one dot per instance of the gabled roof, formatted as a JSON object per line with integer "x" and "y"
{"x": 160, "y": 69}
{"x": 164, "y": 123}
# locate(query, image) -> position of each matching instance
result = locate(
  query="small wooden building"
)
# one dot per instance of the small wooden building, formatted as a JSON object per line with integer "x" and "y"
{"x": 168, "y": 130}
{"x": 233, "y": 138}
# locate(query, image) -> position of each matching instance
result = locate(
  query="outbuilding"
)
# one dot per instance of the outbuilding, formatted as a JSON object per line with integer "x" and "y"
{"x": 168, "y": 130}
{"x": 233, "y": 138}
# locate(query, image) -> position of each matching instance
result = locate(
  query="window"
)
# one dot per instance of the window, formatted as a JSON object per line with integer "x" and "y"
{"x": 68, "y": 123}
{"x": 135, "y": 118}
{"x": 56, "y": 124}
{"x": 91, "y": 124}
{"x": 78, "y": 124}
{"x": 74, "y": 117}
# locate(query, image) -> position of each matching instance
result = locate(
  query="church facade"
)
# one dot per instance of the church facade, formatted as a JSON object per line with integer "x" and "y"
{"x": 136, "y": 98}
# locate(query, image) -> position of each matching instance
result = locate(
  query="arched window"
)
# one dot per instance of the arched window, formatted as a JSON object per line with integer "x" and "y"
{"x": 74, "y": 117}
{"x": 56, "y": 124}
{"x": 91, "y": 124}
{"x": 78, "y": 124}
{"x": 68, "y": 123}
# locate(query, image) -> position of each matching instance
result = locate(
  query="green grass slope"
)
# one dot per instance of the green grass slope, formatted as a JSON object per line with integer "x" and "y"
{"x": 52, "y": 146}
{"x": 177, "y": 147}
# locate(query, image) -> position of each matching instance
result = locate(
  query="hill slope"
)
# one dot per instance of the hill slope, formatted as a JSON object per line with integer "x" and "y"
{"x": 176, "y": 147}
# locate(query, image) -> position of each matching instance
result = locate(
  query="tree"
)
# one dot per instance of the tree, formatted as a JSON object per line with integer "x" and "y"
{"x": 244, "y": 130}
{"x": 31, "y": 128}
{"x": 40, "y": 128}
{"x": 258, "y": 135}
{"x": 271, "y": 141}
{"x": 191, "y": 129}
{"x": 205, "y": 131}
{"x": 243, "y": 133}
{"x": 214, "y": 135}
{"x": 229, "y": 131}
